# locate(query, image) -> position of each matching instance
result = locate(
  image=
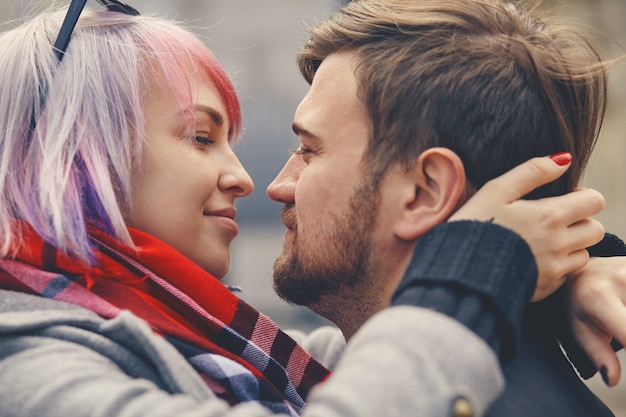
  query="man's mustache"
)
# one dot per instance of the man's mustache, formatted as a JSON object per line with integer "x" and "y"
{"x": 289, "y": 218}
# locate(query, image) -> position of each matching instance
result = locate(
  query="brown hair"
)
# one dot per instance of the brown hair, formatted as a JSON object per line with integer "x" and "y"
{"x": 492, "y": 83}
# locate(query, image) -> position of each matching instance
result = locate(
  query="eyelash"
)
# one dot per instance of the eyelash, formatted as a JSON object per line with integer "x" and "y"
{"x": 202, "y": 140}
{"x": 300, "y": 151}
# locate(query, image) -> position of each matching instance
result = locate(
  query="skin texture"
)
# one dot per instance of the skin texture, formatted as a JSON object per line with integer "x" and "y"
{"x": 329, "y": 246}
{"x": 597, "y": 311}
{"x": 184, "y": 192}
{"x": 348, "y": 241}
{"x": 344, "y": 231}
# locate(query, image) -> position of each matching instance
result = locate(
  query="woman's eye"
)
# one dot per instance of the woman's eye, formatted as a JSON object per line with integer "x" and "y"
{"x": 203, "y": 140}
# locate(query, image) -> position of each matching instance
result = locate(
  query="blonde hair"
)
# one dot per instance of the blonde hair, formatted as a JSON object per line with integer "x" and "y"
{"x": 73, "y": 130}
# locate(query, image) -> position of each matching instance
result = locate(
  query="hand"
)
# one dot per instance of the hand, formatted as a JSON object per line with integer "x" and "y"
{"x": 557, "y": 229}
{"x": 597, "y": 297}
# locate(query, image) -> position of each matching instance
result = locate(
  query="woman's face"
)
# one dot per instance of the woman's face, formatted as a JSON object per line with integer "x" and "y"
{"x": 185, "y": 190}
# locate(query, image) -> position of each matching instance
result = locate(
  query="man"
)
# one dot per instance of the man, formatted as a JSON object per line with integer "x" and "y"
{"x": 113, "y": 335}
{"x": 412, "y": 107}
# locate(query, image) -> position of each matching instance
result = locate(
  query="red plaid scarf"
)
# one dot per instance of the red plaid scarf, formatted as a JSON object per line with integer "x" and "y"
{"x": 177, "y": 299}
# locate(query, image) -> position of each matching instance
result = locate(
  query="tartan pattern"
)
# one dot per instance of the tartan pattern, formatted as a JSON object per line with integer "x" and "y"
{"x": 240, "y": 353}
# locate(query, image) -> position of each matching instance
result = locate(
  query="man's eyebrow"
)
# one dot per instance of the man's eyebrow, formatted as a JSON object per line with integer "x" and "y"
{"x": 216, "y": 116}
{"x": 299, "y": 130}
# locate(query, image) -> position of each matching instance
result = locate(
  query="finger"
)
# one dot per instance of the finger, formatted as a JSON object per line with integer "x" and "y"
{"x": 612, "y": 327}
{"x": 546, "y": 290}
{"x": 573, "y": 262}
{"x": 598, "y": 349}
{"x": 613, "y": 370}
{"x": 524, "y": 178}
{"x": 577, "y": 205}
{"x": 584, "y": 234}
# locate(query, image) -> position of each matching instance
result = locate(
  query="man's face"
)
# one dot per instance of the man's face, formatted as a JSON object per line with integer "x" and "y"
{"x": 330, "y": 210}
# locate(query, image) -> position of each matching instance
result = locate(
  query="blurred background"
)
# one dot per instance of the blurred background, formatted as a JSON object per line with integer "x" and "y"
{"x": 257, "y": 42}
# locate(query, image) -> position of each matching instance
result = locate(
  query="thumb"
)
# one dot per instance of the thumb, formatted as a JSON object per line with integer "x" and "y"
{"x": 530, "y": 175}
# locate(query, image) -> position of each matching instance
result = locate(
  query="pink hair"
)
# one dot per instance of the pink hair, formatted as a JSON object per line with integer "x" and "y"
{"x": 74, "y": 170}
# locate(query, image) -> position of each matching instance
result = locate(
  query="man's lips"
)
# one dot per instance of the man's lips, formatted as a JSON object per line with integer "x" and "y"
{"x": 288, "y": 216}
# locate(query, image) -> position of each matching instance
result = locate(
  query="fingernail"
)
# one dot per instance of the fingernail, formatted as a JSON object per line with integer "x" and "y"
{"x": 562, "y": 158}
{"x": 605, "y": 377}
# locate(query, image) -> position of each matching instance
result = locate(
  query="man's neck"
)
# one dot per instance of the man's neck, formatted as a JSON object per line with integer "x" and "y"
{"x": 350, "y": 308}
{"x": 348, "y": 313}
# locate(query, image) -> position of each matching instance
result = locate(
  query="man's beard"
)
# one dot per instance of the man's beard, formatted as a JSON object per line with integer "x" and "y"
{"x": 340, "y": 262}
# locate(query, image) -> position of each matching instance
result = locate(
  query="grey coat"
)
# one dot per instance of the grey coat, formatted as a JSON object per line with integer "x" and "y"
{"x": 59, "y": 360}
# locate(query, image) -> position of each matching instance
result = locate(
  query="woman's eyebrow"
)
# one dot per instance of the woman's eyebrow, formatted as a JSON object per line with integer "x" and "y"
{"x": 215, "y": 115}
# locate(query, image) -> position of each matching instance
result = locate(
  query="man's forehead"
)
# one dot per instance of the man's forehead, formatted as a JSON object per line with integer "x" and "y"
{"x": 332, "y": 97}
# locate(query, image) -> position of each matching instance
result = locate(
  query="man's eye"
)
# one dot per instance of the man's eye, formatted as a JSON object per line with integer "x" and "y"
{"x": 300, "y": 151}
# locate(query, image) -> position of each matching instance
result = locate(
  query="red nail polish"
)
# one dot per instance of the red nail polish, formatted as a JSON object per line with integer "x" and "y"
{"x": 562, "y": 158}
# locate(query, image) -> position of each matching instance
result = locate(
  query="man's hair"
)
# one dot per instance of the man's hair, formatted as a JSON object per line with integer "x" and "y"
{"x": 72, "y": 131}
{"x": 495, "y": 84}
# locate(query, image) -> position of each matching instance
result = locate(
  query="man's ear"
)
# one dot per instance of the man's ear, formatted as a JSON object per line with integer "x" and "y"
{"x": 439, "y": 184}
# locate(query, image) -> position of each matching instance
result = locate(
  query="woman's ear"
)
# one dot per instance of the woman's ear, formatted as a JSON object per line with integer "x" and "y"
{"x": 439, "y": 184}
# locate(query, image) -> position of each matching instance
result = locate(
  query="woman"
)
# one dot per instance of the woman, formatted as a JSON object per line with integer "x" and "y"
{"x": 118, "y": 210}
{"x": 76, "y": 193}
